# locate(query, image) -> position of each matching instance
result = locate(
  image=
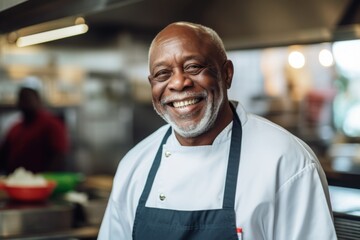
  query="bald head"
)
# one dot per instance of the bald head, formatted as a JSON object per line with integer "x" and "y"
{"x": 192, "y": 30}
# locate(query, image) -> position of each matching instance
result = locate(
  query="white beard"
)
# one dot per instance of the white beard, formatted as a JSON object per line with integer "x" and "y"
{"x": 207, "y": 122}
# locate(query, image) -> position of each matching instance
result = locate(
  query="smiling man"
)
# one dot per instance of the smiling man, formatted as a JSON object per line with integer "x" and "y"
{"x": 214, "y": 171}
{"x": 187, "y": 87}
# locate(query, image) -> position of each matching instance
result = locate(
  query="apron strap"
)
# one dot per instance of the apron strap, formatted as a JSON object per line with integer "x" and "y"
{"x": 233, "y": 163}
{"x": 153, "y": 170}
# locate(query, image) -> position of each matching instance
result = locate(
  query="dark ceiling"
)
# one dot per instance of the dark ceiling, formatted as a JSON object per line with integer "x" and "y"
{"x": 241, "y": 23}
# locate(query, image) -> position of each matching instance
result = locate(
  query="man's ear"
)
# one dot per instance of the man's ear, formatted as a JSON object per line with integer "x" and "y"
{"x": 229, "y": 72}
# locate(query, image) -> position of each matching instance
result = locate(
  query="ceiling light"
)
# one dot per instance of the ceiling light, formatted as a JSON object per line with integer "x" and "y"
{"x": 51, "y": 35}
{"x": 48, "y": 31}
{"x": 296, "y": 59}
{"x": 325, "y": 58}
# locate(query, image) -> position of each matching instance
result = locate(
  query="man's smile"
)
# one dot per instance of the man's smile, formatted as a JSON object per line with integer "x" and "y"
{"x": 185, "y": 103}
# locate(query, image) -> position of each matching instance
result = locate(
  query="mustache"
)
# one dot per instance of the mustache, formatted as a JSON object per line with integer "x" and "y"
{"x": 182, "y": 96}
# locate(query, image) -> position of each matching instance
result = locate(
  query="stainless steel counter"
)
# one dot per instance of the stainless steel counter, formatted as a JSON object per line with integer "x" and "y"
{"x": 83, "y": 233}
{"x": 19, "y": 218}
{"x": 48, "y": 220}
{"x": 346, "y": 206}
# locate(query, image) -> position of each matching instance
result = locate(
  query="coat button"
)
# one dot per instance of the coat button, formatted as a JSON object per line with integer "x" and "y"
{"x": 162, "y": 196}
{"x": 167, "y": 154}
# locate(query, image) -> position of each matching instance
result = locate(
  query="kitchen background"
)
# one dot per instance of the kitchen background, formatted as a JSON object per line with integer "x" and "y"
{"x": 296, "y": 63}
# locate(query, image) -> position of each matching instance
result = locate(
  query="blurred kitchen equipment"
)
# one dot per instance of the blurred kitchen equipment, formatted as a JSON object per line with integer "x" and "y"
{"x": 20, "y": 219}
{"x": 94, "y": 211}
{"x": 87, "y": 212}
{"x": 28, "y": 193}
{"x": 66, "y": 181}
{"x": 98, "y": 186}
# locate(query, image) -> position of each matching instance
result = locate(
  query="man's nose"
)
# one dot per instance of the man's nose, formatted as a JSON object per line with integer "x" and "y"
{"x": 179, "y": 81}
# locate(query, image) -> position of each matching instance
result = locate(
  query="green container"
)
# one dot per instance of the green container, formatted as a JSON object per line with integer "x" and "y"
{"x": 66, "y": 181}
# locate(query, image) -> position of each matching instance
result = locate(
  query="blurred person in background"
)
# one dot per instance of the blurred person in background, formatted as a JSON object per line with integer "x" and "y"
{"x": 38, "y": 141}
{"x": 215, "y": 171}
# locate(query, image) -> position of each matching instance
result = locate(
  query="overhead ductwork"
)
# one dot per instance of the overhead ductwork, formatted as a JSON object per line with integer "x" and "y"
{"x": 242, "y": 24}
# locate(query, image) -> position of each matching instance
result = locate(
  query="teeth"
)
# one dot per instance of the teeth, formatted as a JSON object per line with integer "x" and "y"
{"x": 185, "y": 103}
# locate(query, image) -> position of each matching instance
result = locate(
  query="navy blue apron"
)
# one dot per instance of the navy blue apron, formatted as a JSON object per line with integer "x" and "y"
{"x": 214, "y": 224}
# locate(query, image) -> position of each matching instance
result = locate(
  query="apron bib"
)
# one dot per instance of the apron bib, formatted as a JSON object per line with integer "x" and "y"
{"x": 214, "y": 224}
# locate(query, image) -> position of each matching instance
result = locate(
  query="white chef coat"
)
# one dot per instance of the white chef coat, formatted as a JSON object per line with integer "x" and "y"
{"x": 282, "y": 191}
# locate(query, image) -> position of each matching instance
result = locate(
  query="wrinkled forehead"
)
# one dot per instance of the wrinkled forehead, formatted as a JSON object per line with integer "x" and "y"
{"x": 189, "y": 35}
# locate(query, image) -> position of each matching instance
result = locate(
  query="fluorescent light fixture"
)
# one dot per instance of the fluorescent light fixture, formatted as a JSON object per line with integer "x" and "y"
{"x": 51, "y": 35}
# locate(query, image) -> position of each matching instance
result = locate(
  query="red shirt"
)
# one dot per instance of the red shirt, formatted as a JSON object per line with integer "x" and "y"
{"x": 34, "y": 145}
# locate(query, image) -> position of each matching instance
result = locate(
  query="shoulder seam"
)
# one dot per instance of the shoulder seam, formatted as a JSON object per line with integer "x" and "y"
{"x": 296, "y": 176}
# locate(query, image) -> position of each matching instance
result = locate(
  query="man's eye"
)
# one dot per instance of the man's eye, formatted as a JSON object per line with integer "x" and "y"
{"x": 162, "y": 75}
{"x": 194, "y": 68}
